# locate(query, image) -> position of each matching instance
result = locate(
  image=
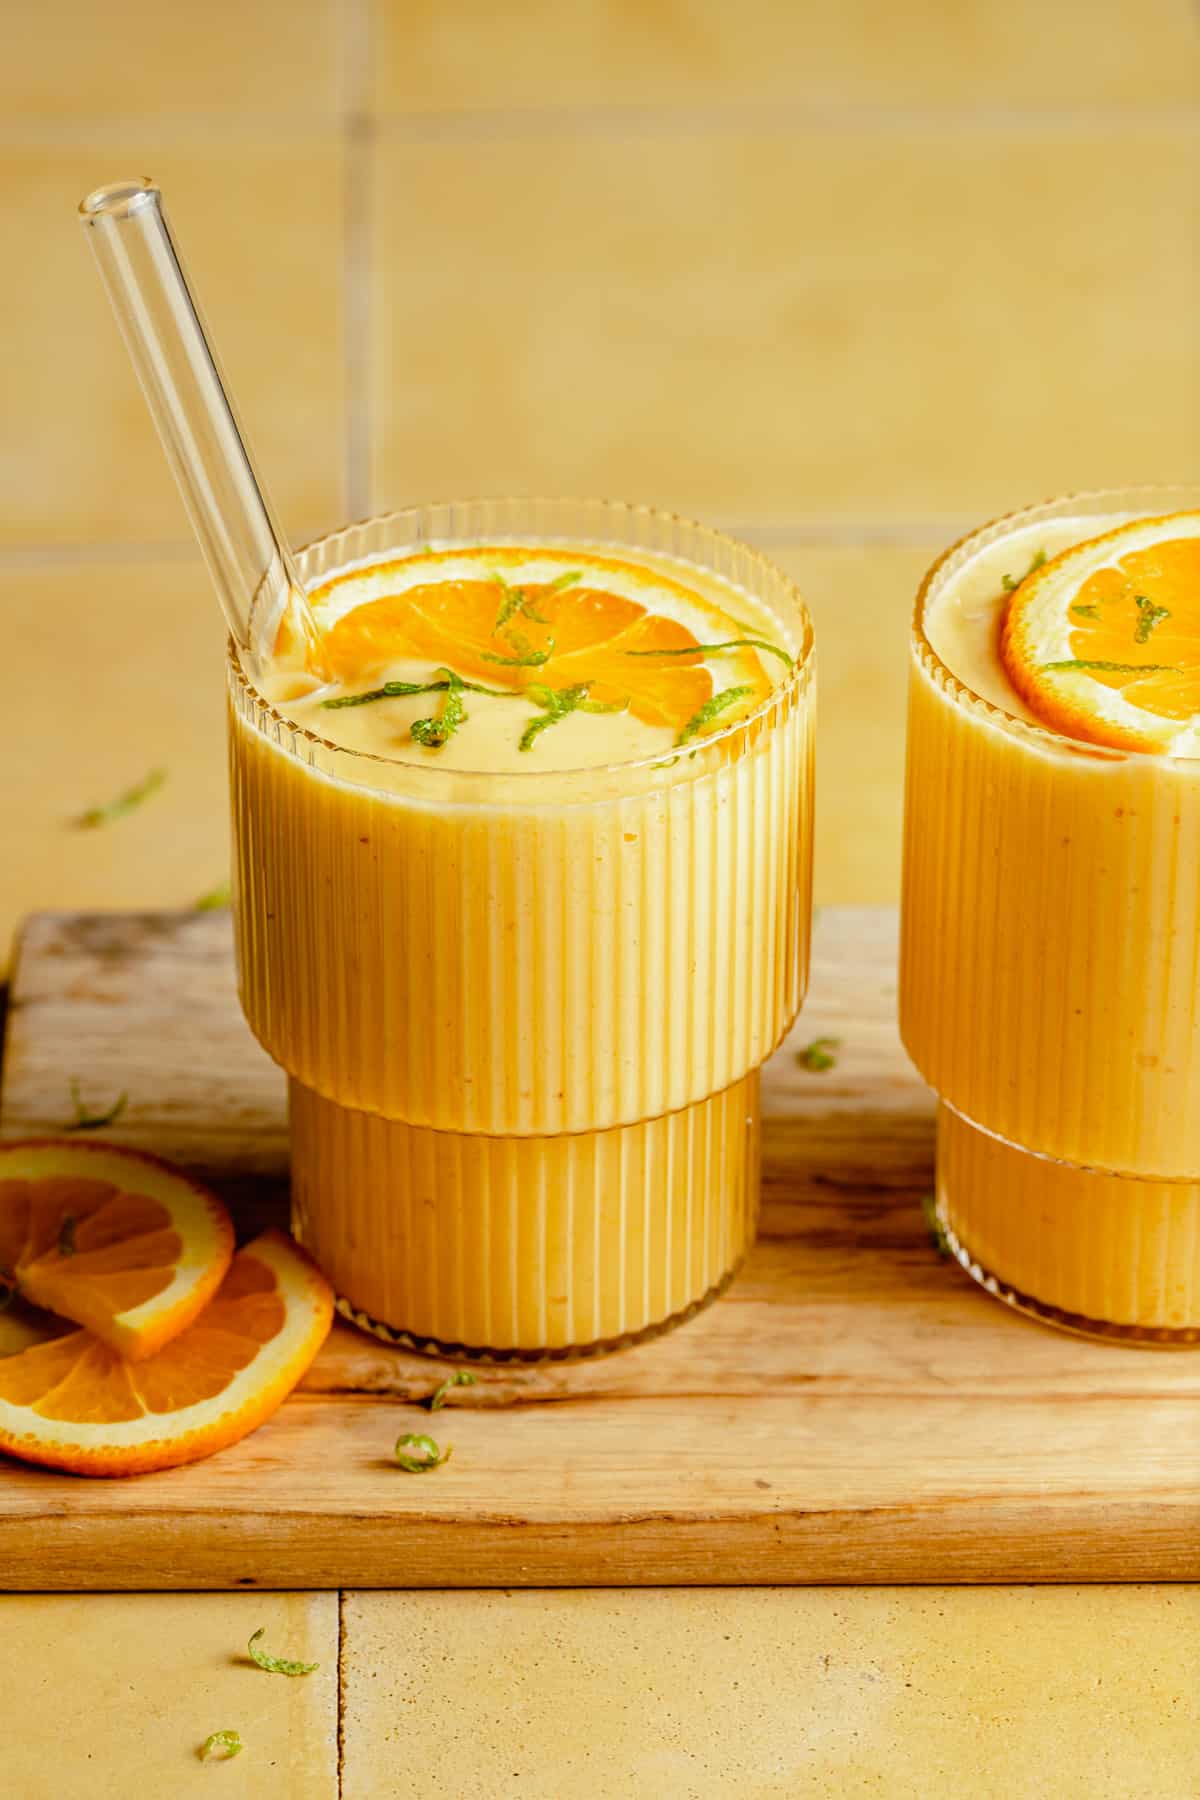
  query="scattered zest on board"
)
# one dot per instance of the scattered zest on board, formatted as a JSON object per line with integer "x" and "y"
{"x": 818, "y": 1056}
{"x": 609, "y": 652}
{"x": 429, "y": 1455}
{"x": 221, "y": 1746}
{"x": 276, "y": 1665}
{"x": 94, "y": 1121}
{"x": 460, "y": 1378}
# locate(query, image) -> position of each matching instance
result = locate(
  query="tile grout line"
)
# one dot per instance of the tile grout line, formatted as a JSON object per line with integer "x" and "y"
{"x": 358, "y": 146}
{"x": 835, "y": 534}
{"x": 19, "y": 556}
{"x": 615, "y": 120}
{"x": 611, "y": 120}
{"x": 341, "y": 1693}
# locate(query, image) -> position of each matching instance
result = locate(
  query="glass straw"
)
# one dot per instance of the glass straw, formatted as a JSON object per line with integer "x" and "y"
{"x": 245, "y": 549}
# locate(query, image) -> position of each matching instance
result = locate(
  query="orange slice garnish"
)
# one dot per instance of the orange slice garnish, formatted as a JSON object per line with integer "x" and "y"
{"x": 114, "y": 1240}
{"x": 631, "y": 635}
{"x": 1103, "y": 642}
{"x": 72, "y": 1403}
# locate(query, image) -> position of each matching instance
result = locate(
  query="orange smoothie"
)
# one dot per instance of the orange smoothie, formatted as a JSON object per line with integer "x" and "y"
{"x": 1050, "y": 964}
{"x": 522, "y": 898}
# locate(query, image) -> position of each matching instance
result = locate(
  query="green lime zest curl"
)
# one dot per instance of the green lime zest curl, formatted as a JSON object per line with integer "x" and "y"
{"x": 94, "y": 1121}
{"x": 221, "y": 1745}
{"x": 440, "y": 728}
{"x": 526, "y": 657}
{"x": 712, "y": 709}
{"x": 215, "y": 899}
{"x": 1149, "y": 618}
{"x": 460, "y": 1378}
{"x": 276, "y": 1665}
{"x": 1012, "y": 582}
{"x": 127, "y": 802}
{"x": 738, "y": 643}
{"x": 429, "y": 1455}
{"x": 1111, "y": 668}
{"x": 556, "y": 703}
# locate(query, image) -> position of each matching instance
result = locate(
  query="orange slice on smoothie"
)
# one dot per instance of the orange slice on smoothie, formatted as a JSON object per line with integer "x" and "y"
{"x": 1103, "y": 642}
{"x": 72, "y": 1403}
{"x": 114, "y": 1240}
{"x": 514, "y": 619}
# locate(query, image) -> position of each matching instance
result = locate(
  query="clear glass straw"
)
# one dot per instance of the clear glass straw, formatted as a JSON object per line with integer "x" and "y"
{"x": 246, "y": 552}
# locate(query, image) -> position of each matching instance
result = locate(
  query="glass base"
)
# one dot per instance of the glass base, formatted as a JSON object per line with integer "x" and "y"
{"x": 478, "y": 1353}
{"x": 1106, "y": 1256}
{"x": 525, "y": 1248}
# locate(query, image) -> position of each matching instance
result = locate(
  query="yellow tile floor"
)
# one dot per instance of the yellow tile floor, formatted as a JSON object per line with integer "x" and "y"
{"x": 845, "y": 278}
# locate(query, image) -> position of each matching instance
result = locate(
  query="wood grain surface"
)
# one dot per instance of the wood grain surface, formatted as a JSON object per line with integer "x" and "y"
{"x": 853, "y": 1410}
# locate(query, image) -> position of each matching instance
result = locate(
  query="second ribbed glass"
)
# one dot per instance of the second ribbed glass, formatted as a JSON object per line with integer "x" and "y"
{"x": 523, "y": 1014}
{"x": 1050, "y": 952}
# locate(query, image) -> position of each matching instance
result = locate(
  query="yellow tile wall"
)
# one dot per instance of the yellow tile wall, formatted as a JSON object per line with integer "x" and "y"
{"x": 844, "y": 278}
{"x": 434, "y": 57}
{"x": 259, "y": 222}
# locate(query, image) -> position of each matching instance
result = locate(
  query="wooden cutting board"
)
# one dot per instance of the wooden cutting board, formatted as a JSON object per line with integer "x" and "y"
{"x": 853, "y": 1410}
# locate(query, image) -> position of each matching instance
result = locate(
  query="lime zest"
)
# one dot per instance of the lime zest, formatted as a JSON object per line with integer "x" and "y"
{"x": 399, "y": 690}
{"x": 1149, "y": 617}
{"x": 515, "y": 600}
{"x": 430, "y": 1456}
{"x": 215, "y": 899}
{"x": 738, "y": 643}
{"x": 556, "y": 703}
{"x": 1085, "y": 612}
{"x": 519, "y": 600}
{"x": 607, "y": 706}
{"x": 124, "y": 803}
{"x": 94, "y": 1121}
{"x": 460, "y": 1378}
{"x": 223, "y": 1745}
{"x": 436, "y": 730}
{"x": 937, "y": 1231}
{"x": 1012, "y": 582}
{"x": 565, "y": 580}
{"x": 276, "y": 1665}
{"x": 1111, "y": 668}
{"x": 712, "y": 708}
{"x": 818, "y": 1056}
{"x": 526, "y": 656}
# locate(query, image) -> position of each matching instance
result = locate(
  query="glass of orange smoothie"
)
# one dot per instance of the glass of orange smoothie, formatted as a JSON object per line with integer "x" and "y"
{"x": 522, "y": 899}
{"x": 1050, "y": 955}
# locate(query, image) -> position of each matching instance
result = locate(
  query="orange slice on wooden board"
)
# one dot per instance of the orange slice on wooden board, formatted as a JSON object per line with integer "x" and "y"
{"x": 112, "y": 1239}
{"x": 73, "y": 1404}
{"x": 1103, "y": 642}
{"x": 632, "y": 634}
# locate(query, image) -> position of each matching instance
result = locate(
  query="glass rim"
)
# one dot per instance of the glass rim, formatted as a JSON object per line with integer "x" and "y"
{"x": 787, "y": 690}
{"x": 961, "y": 693}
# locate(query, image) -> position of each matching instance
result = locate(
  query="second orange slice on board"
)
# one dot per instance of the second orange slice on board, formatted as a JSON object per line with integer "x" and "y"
{"x": 71, "y": 1403}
